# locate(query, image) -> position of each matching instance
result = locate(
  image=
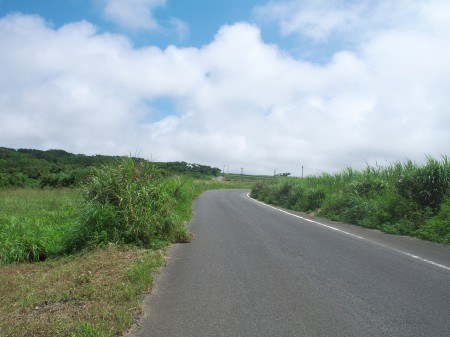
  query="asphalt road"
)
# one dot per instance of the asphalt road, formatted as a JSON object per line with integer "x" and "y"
{"x": 252, "y": 270}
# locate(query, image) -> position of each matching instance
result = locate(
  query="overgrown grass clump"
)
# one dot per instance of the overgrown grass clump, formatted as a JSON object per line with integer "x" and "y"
{"x": 133, "y": 203}
{"x": 402, "y": 198}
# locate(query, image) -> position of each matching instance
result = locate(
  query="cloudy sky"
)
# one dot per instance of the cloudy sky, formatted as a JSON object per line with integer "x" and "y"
{"x": 263, "y": 85}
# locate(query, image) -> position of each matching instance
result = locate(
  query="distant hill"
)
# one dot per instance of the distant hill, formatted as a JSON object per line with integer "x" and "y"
{"x": 59, "y": 168}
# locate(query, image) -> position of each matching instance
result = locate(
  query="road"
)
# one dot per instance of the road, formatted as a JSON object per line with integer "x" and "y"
{"x": 252, "y": 270}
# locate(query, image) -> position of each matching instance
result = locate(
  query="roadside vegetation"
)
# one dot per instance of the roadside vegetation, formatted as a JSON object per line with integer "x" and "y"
{"x": 76, "y": 261}
{"x": 402, "y": 198}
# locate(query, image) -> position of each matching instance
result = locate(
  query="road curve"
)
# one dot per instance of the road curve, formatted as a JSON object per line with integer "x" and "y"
{"x": 252, "y": 270}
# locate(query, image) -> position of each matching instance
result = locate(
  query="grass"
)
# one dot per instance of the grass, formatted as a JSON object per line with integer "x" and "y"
{"x": 34, "y": 222}
{"x": 401, "y": 198}
{"x": 132, "y": 202}
{"x": 94, "y": 293}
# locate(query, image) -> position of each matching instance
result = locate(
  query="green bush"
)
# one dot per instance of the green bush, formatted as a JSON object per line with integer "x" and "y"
{"x": 131, "y": 202}
{"x": 437, "y": 228}
{"x": 315, "y": 198}
{"x": 60, "y": 179}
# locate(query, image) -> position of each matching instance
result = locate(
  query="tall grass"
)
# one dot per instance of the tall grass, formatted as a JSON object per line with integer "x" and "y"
{"x": 131, "y": 202}
{"x": 34, "y": 223}
{"x": 402, "y": 198}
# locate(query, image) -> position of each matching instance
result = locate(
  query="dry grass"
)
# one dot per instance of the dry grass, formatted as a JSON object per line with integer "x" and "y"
{"x": 98, "y": 293}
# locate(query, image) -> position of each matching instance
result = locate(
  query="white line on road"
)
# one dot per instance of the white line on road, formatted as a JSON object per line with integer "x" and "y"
{"x": 353, "y": 235}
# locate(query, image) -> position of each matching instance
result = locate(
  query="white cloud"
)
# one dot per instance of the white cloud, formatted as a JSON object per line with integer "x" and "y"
{"x": 348, "y": 20}
{"x": 135, "y": 14}
{"x": 239, "y": 101}
{"x": 316, "y": 19}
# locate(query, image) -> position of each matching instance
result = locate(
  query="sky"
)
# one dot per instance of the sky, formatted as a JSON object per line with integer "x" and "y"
{"x": 260, "y": 85}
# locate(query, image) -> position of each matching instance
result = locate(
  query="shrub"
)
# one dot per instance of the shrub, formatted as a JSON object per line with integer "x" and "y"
{"x": 60, "y": 179}
{"x": 437, "y": 228}
{"x": 315, "y": 197}
{"x": 131, "y": 202}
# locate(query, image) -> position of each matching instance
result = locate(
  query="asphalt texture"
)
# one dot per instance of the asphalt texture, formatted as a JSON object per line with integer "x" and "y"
{"x": 252, "y": 270}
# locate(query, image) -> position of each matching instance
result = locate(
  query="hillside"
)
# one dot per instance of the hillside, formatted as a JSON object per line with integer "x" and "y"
{"x": 59, "y": 168}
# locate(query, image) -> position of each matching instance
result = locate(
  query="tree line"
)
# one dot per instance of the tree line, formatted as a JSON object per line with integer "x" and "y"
{"x": 59, "y": 168}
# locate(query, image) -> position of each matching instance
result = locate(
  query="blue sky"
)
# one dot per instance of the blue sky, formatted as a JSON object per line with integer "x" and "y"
{"x": 264, "y": 85}
{"x": 203, "y": 17}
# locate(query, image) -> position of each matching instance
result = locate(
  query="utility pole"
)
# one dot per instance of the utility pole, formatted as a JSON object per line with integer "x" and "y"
{"x": 302, "y": 171}
{"x": 242, "y": 172}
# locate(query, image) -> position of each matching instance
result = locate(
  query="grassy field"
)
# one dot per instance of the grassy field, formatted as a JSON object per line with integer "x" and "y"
{"x": 89, "y": 255}
{"x": 34, "y": 222}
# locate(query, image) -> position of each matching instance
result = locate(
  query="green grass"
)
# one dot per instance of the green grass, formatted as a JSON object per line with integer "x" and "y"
{"x": 132, "y": 202}
{"x": 34, "y": 223}
{"x": 402, "y": 198}
{"x": 95, "y": 292}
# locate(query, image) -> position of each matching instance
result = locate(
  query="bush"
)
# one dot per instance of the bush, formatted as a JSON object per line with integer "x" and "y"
{"x": 315, "y": 198}
{"x": 56, "y": 180}
{"x": 132, "y": 203}
{"x": 437, "y": 228}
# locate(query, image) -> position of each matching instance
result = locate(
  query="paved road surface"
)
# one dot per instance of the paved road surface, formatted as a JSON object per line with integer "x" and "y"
{"x": 255, "y": 271}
